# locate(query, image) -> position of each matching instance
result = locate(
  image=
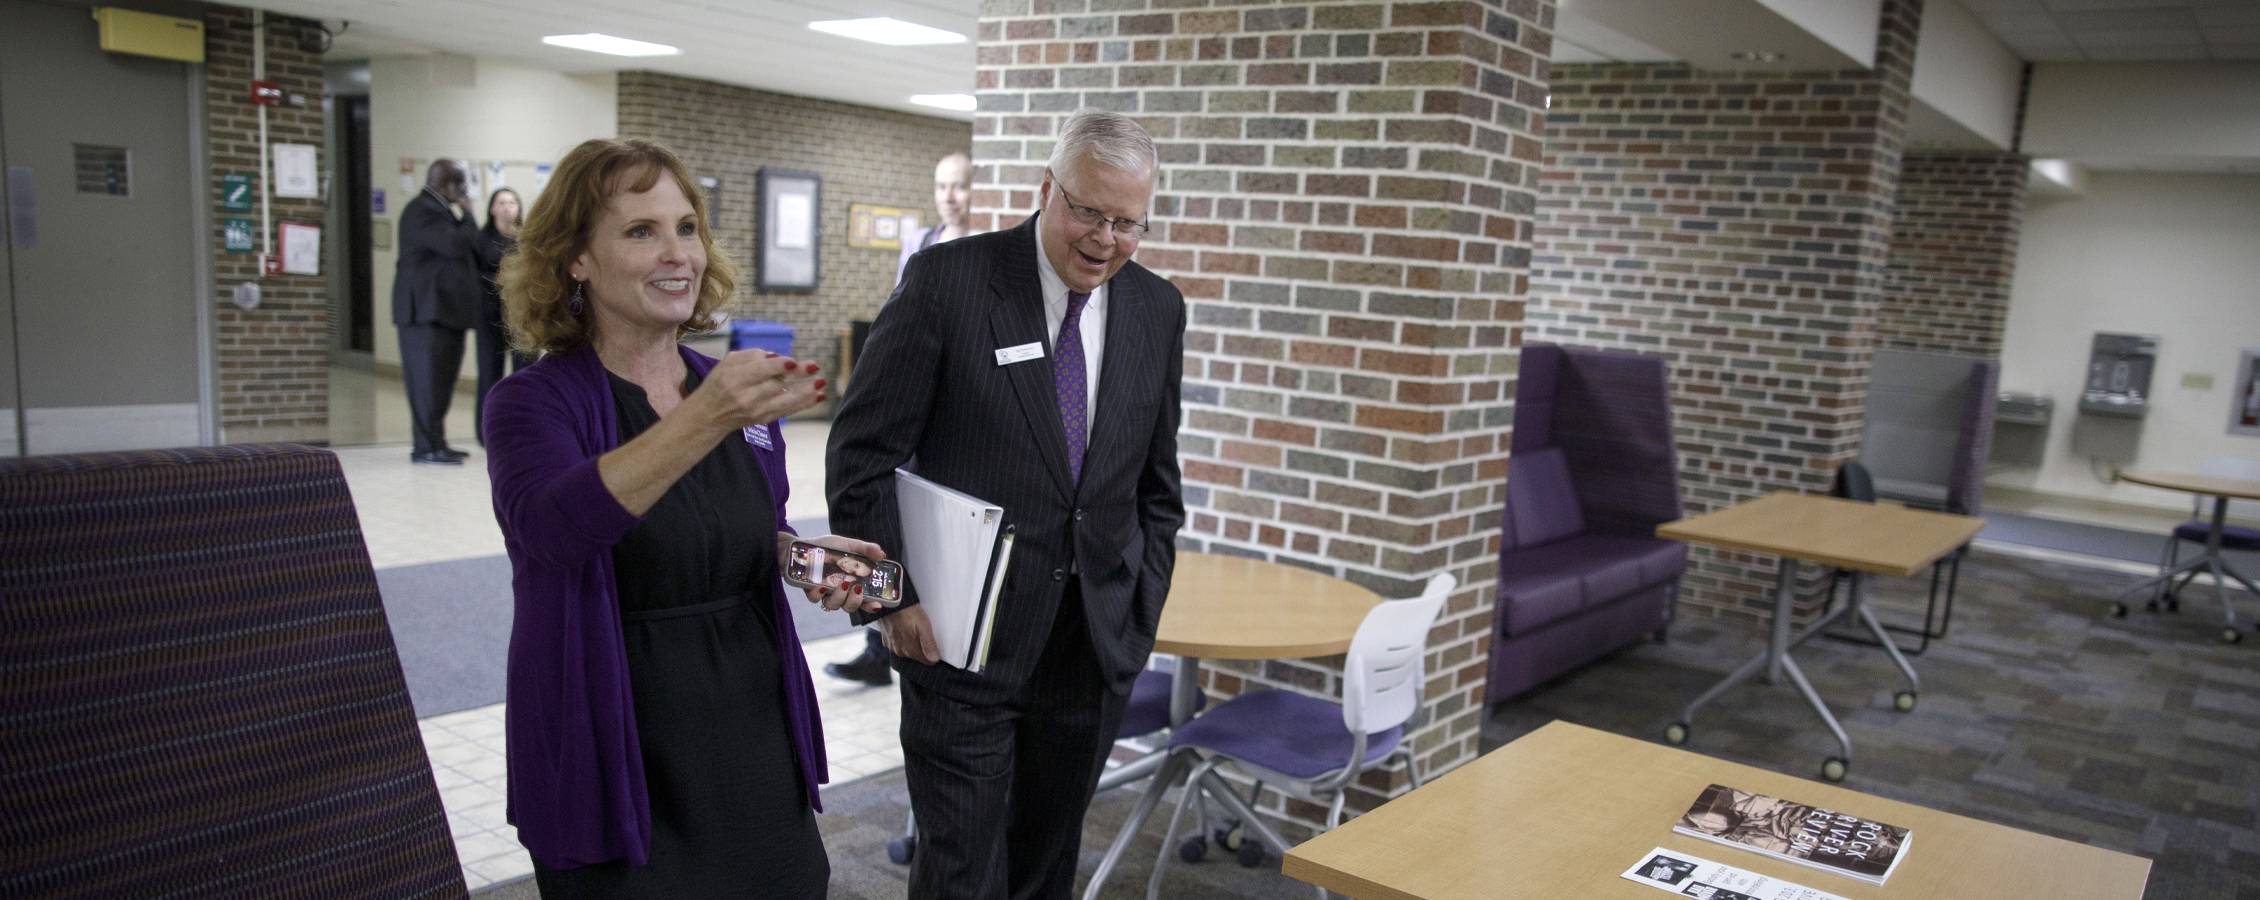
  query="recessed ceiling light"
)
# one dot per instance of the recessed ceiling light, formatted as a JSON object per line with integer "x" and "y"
{"x": 1764, "y": 56}
{"x": 605, "y": 43}
{"x": 883, "y": 30}
{"x": 959, "y": 102}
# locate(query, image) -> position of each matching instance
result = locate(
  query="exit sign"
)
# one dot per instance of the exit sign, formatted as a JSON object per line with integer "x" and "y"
{"x": 235, "y": 193}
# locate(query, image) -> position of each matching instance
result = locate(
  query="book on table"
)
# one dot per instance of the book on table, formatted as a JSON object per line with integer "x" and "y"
{"x": 1800, "y": 833}
{"x": 955, "y": 552}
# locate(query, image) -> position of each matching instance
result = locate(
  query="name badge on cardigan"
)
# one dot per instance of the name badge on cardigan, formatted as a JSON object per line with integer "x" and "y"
{"x": 758, "y": 435}
{"x": 1023, "y": 353}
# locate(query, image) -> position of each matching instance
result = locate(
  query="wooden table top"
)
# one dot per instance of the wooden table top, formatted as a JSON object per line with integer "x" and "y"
{"x": 2235, "y": 488}
{"x": 1565, "y": 810}
{"x": 1870, "y": 537}
{"x": 1228, "y": 607}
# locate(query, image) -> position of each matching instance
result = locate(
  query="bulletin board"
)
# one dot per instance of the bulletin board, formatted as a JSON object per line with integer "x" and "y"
{"x": 787, "y": 231}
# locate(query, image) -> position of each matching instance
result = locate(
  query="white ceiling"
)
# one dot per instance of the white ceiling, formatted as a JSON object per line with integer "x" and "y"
{"x": 757, "y": 43}
{"x": 2124, "y": 30}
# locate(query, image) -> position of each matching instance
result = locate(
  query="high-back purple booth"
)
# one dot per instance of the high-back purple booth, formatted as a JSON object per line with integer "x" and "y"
{"x": 1592, "y": 473}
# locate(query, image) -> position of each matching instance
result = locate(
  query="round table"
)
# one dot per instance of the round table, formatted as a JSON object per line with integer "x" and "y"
{"x": 1231, "y": 607}
{"x": 2222, "y": 490}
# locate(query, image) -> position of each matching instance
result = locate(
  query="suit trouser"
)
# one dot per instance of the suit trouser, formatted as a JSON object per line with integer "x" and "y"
{"x": 430, "y": 357}
{"x": 1000, "y": 790}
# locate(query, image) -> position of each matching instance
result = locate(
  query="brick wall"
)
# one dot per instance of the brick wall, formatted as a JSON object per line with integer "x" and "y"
{"x": 273, "y": 361}
{"x": 1345, "y": 200}
{"x": 1953, "y": 252}
{"x": 865, "y": 155}
{"x": 1736, "y": 225}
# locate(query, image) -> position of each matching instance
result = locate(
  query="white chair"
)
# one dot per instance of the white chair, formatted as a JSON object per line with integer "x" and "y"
{"x": 1311, "y": 748}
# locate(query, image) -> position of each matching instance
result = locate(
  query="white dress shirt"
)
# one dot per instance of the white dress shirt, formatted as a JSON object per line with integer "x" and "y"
{"x": 1092, "y": 325}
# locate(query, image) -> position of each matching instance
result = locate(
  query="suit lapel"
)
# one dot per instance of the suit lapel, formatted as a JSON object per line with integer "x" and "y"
{"x": 1123, "y": 373}
{"x": 1017, "y": 318}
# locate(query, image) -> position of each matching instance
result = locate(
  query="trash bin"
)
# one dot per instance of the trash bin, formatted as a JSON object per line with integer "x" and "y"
{"x": 756, "y": 334}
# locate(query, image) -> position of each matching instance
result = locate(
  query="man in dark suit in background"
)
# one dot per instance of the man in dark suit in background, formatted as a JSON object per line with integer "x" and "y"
{"x": 435, "y": 298}
{"x": 1036, "y": 369}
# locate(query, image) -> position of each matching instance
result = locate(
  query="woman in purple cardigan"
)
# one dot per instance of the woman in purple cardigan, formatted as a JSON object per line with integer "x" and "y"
{"x": 663, "y": 738}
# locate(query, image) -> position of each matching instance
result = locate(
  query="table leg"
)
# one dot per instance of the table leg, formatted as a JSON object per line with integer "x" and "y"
{"x": 1784, "y": 596}
{"x": 1174, "y": 766}
{"x": 1184, "y": 690}
{"x": 2196, "y": 564}
{"x": 1813, "y": 697}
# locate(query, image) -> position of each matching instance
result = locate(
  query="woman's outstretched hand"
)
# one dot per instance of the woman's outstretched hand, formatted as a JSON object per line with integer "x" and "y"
{"x": 754, "y": 387}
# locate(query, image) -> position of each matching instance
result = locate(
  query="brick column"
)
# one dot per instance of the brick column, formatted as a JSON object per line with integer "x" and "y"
{"x": 274, "y": 361}
{"x": 1736, "y": 225}
{"x": 1345, "y": 200}
{"x": 1953, "y": 252}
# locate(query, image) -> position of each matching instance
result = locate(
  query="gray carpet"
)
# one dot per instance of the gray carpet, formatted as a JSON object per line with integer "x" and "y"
{"x": 451, "y": 624}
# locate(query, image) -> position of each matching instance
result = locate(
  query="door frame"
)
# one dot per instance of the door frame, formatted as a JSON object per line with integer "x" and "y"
{"x": 200, "y": 259}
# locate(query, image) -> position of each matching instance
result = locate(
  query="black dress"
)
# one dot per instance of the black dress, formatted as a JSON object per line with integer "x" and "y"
{"x": 729, "y": 815}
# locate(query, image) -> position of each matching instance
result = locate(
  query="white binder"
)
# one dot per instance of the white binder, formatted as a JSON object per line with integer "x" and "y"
{"x": 955, "y": 551}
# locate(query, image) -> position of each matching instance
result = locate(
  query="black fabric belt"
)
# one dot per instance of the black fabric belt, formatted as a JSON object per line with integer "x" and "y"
{"x": 676, "y": 612}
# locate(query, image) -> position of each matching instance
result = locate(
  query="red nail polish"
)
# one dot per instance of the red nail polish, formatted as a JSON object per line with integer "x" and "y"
{"x": 811, "y": 368}
{"x": 820, "y": 384}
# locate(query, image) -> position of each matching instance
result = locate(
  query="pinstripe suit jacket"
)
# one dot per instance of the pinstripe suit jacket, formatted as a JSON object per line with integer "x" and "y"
{"x": 929, "y": 395}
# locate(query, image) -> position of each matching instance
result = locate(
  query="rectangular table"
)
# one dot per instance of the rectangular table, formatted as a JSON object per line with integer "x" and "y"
{"x": 1563, "y": 811}
{"x": 1866, "y": 537}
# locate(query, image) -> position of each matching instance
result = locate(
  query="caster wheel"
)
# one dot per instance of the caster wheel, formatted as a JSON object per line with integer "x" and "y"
{"x": 2231, "y": 635}
{"x": 1675, "y": 733}
{"x": 1904, "y": 701}
{"x": 900, "y": 850}
{"x": 2153, "y": 606}
{"x": 1193, "y": 849}
{"x": 2173, "y": 603}
{"x": 2118, "y": 610}
{"x": 1833, "y": 770}
{"x": 1250, "y": 854}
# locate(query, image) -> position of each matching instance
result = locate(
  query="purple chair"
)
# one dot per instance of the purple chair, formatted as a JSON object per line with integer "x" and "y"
{"x": 1309, "y": 748}
{"x": 1593, "y": 472}
{"x": 200, "y": 695}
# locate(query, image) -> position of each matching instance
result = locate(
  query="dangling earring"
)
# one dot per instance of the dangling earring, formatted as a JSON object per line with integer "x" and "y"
{"x": 574, "y": 305}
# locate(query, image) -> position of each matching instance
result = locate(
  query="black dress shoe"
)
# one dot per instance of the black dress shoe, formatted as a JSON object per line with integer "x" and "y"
{"x": 864, "y": 669}
{"x": 458, "y": 454}
{"x": 435, "y": 458}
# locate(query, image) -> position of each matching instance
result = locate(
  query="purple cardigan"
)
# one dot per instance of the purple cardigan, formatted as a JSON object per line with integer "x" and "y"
{"x": 576, "y": 771}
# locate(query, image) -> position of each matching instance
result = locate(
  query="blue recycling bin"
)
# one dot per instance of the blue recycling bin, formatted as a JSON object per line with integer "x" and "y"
{"x": 757, "y": 334}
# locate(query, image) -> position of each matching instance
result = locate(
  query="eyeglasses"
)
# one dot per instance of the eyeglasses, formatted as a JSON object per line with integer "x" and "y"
{"x": 1091, "y": 218}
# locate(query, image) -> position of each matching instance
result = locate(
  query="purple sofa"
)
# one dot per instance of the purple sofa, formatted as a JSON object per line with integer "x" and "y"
{"x": 1593, "y": 472}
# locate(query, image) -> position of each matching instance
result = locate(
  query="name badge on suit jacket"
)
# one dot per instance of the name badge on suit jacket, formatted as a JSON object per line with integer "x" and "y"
{"x": 758, "y": 435}
{"x": 1032, "y": 350}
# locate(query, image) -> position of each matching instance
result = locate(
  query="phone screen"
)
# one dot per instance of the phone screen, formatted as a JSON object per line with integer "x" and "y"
{"x": 811, "y": 564}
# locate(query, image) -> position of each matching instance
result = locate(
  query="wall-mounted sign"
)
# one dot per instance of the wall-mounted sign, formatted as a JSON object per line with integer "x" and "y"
{"x": 377, "y": 201}
{"x": 235, "y": 193}
{"x": 881, "y": 227}
{"x": 301, "y": 249}
{"x": 2244, "y": 416}
{"x": 239, "y": 235}
{"x": 295, "y": 172}
{"x": 786, "y": 235}
{"x": 266, "y": 93}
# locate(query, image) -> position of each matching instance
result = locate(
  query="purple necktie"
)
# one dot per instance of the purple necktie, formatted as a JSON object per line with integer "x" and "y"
{"x": 1068, "y": 383}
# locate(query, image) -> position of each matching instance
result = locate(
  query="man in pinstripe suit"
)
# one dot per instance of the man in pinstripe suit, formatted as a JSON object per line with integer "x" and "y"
{"x": 1035, "y": 368}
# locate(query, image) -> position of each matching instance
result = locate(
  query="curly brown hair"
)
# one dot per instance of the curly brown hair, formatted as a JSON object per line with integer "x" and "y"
{"x": 537, "y": 287}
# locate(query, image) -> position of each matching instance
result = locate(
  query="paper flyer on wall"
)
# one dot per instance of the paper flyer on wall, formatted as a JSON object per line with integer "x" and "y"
{"x": 1694, "y": 876}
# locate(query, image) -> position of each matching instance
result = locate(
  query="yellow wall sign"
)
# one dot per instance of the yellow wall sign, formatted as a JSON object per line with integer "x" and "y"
{"x": 881, "y": 227}
{"x": 147, "y": 34}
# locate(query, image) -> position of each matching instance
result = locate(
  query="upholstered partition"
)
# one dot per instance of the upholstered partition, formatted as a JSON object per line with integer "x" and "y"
{"x": 1593, "y": 472}
{"x": 198, "y": 691}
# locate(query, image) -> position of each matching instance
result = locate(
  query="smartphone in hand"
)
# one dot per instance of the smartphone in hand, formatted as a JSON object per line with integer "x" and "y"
{"x": 810, "y": 566}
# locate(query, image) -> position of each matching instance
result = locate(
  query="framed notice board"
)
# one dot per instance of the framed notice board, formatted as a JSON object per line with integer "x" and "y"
{"x": 787, "y": 232}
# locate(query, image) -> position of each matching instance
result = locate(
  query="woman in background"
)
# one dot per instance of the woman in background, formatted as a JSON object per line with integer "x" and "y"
{"x": 496, "y": 239}
{"x": 663, "y": 735}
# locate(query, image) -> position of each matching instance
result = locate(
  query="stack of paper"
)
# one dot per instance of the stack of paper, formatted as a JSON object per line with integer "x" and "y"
{"x": 955, "y": 550}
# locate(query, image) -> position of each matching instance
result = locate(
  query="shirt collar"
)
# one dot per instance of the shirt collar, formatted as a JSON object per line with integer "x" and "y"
{"x": 1055, "y": 288}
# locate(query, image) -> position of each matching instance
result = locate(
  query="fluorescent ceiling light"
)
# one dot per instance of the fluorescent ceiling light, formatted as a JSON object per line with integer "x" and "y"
{"x": 884, "y": 30}
{"x": 959, "y": 102}
{"x": 605, "y": 43}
